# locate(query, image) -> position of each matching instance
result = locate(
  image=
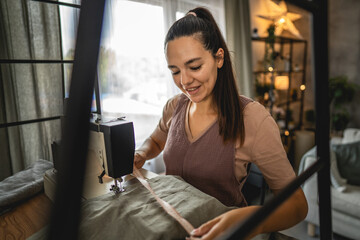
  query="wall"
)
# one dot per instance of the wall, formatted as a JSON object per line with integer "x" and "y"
{"x": 344, "y": 46}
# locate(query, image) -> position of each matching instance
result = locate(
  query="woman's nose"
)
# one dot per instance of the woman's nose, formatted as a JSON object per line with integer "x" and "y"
{"x": 185, "y": 78}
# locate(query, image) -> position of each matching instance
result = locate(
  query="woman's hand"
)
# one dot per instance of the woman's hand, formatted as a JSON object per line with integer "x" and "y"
{"x": 148, "y": 150}
{"x": 220, "y": 224}
{"x": 139, "y": 159}
{"x": 291, "y": 212}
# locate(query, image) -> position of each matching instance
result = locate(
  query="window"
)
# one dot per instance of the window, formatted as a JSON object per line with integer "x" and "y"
{"x": 69, "y": 18}
{"x": 134, "y": 80}
{"x": 132, "y": 70}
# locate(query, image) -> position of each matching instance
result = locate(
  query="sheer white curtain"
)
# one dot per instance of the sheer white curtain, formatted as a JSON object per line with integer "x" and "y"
{"x": 29, "y": 30}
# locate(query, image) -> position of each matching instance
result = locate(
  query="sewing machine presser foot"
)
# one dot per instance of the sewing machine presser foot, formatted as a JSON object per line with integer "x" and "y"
{"x": 115, "y": 188}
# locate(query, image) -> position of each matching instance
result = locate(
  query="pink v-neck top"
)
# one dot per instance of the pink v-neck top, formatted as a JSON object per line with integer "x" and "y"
{"x": 216, "y": 168}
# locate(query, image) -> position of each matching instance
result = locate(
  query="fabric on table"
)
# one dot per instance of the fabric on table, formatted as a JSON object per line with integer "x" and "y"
{"x": 23, "y": 184}
{"x": 42, "y": 235}
{"x": 135, "y": 214}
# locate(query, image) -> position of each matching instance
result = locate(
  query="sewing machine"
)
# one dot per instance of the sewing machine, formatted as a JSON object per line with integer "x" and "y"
{"x": 112, "y": 143}
{"x": 109, "y": 161}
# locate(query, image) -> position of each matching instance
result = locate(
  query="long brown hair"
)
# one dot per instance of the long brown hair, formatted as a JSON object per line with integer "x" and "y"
{"x": 226, "y": 97}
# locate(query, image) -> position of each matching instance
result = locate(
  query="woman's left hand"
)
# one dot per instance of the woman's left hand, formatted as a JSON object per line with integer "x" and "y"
{"x": 220, "y": 224}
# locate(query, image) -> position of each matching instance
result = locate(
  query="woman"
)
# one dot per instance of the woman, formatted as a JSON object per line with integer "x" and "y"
{"x": 202, "y": 131}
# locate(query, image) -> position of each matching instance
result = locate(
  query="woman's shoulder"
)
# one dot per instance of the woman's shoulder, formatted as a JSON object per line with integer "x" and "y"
{"x": 255, "y": 114}
{"x": 253, "y": 109}
{"x": 173, "y": 101}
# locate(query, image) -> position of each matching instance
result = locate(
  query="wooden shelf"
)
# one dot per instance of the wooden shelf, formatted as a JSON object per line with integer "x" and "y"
{"x": 278, "y": 72}
{"x": 280, "y": 39}
{"x": 294, "y": 75}
{"x": 290, "y": 101}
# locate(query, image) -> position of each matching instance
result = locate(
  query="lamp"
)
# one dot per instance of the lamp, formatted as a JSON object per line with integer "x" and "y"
{"x": 282, "y": 82}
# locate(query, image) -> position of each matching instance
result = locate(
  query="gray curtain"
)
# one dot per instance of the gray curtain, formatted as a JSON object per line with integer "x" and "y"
{"x": 28, "y": 30}
{"x": 238, "y": 37}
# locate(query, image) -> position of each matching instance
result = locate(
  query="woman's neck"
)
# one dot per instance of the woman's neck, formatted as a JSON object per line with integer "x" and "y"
{"x": 206, "y": 107}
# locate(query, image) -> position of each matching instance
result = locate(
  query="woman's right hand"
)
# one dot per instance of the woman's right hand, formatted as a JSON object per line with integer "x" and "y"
{"x": 139, "y": 159}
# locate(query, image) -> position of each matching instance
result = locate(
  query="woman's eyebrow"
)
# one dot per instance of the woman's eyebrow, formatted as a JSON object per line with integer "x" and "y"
{"x": 192, "y": 60}
{"x": 187, "y": 62}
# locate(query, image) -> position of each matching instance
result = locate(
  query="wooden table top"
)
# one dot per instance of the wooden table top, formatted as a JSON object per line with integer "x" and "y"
{"x": 26, "y": 219}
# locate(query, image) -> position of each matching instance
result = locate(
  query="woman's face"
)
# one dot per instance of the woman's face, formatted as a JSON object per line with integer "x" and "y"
{"x": 194, "y": 68}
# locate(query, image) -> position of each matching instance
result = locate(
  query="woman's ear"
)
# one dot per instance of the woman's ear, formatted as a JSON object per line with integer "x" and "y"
{"x": 219, "y": 57}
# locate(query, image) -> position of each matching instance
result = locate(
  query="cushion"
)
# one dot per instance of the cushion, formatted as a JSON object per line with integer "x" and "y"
{"x": 347, "y": 202}
{"x": 309, "y": 158}
{"x": 348, "y": 161}
{"x": 336, "y": 180}
{"x": 351, "y": 135}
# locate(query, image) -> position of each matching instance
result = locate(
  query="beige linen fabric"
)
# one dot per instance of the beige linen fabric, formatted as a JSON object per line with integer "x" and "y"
{"x": 136, "y": 215}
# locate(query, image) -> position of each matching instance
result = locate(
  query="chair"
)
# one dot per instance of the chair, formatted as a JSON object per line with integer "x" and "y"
{"x": 255, "y": 187}
{"x": 345, "y": 198}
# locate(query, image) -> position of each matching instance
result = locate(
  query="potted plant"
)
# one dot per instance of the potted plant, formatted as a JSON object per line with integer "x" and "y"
{"x": 341, "y": 92}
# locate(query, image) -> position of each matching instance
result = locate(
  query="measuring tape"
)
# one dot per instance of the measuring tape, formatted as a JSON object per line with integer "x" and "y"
{"x": 166, "y": 206}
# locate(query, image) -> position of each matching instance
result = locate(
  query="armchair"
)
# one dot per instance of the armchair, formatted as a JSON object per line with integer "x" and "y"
{"x": 345, "y": 197}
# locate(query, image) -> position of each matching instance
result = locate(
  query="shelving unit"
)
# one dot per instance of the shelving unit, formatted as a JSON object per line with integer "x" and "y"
{"x": 284, "y": 63}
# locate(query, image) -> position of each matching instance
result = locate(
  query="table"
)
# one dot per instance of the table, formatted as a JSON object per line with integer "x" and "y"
{"x": 26, "y": 219}
{"x": 32, "y": 215}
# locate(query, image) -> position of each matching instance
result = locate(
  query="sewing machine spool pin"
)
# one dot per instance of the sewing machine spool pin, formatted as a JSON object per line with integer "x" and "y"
{"x": 115, "y": 188}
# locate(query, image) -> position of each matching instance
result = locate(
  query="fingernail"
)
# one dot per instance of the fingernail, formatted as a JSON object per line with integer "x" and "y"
{"x": 194, "y": 232}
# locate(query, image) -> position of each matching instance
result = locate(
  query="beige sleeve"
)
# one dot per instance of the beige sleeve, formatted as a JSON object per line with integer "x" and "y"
{"x": 269, "y": 155}
{"x": 162, "y": 129}
{"x": 263, "y": 147}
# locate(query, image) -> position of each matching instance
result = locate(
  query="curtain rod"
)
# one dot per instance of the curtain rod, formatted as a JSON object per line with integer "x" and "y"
{"x": 59, "y": 3}
{"x": 31, "y": 61}
{"x": 13, "y": 124}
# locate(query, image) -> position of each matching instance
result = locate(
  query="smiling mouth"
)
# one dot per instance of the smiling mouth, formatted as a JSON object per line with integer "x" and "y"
{"x": 192, "y": 90}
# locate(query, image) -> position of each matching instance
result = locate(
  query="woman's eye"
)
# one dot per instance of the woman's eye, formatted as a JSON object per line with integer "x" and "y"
{"x": 175, "y": 73}
{"x": 195, "y": 68}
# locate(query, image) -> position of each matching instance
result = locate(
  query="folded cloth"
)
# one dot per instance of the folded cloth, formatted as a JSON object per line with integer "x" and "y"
{"x": 23, "y": 184}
